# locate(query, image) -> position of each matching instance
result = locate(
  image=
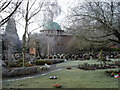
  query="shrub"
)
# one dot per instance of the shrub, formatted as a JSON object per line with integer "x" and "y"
{"x": 87, "y": 66}
{"x": 40, "y": 62}
{"x": 19, "y": 71}
{"x": 57, "y": 61}
{"x": 117, "y": 63}
{"x": 12, "y": 63}
{"x": 49, "y": 62}
{"x": 20, "y": 64}
{"x": 26, "y": 64}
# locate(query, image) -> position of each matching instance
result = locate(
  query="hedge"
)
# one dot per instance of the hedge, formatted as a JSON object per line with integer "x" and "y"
{"x": 49, "y": 62}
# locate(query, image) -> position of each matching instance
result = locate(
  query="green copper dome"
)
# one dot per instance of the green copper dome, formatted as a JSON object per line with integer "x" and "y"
{"x": 52, "y": 26}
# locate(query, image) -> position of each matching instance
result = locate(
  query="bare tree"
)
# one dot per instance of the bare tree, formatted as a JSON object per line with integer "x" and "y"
{"x": 97, "y": 21}
{"x": 50, "y": 11}
{"x": 30, "y": 13}
{"x": 5, "y": 8}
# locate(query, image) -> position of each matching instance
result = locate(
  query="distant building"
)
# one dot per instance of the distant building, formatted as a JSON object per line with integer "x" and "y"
{"x": 54, "y": 40}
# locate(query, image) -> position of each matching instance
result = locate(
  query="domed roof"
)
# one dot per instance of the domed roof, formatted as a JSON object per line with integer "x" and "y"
{"x": 52, "y": 26}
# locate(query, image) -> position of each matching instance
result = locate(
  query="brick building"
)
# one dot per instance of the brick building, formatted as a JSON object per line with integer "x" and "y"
{"x": 54, "y": 40}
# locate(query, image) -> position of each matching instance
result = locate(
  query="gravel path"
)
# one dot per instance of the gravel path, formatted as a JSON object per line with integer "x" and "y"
{"x": 42, "y": 72}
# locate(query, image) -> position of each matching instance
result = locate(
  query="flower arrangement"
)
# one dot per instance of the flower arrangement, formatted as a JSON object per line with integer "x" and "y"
{"x": 53, "y": 77}
{"x": 113, "y": 73}
{"x": 116, "y": 76}
{"x": 30, "y": 65}
{"x": 57, "y": 85}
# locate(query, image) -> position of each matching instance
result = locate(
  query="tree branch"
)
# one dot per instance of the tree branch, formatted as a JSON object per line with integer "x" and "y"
{"x": 3, "y": 21}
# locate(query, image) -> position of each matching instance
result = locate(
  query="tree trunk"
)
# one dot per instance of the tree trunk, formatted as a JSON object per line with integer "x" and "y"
{"x": 24, "y": 50}
{"x": 24, "y": 36}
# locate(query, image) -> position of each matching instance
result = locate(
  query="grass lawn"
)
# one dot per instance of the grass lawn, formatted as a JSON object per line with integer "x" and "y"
{"x": 74, "y": 78}
{"x": 77, "y": 62}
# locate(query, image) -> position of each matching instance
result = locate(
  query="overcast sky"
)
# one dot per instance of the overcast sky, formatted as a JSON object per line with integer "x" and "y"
{"x": 65, "y": 5}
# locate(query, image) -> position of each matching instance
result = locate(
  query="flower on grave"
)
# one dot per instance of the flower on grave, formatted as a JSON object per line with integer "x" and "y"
{"x": 53, "y": 77}
{"x": 30, "y": 65}
{"x": 112, "y": 74}
{"x": 57, "y": 85}
{"x": 116, "y": 76}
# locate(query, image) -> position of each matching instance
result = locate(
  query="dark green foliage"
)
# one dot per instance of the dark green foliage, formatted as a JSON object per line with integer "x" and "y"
{"x": 20, "y": 63}
{"x": 87, "y": 66}
{"x": 49, "y": 62}
{"x": 40, "y": 62}
{"x": 11, "y": 63}
{"x": 117, "y": 63}
{"x": 111, "y": 73}
{"x": 57, "y": 61}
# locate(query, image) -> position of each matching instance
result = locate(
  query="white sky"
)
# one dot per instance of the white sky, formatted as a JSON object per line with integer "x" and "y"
{"x": 64, "y": 4}
{"x": 64, "y": 7}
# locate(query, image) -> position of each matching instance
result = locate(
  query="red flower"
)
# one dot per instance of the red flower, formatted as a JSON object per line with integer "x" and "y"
{"x": 112, "y": 74}
{"x": 57, "y": 85}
